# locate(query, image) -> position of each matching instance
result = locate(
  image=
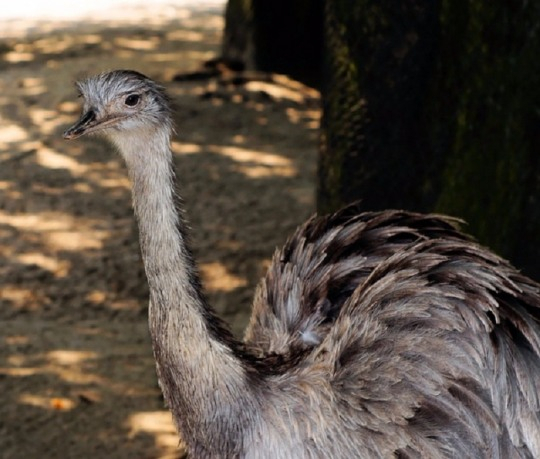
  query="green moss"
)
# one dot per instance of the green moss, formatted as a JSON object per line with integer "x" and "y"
{"x": 488, "y": 175}
{"x": 446, "y": 123}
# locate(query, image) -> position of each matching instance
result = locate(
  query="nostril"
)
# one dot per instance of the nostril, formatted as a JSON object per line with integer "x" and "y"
{"x": 80, "y": 126}
{"x": 89, "y": 116}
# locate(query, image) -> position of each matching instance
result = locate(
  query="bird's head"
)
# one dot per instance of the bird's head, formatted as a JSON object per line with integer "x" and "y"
{"x": 118, "y": 103}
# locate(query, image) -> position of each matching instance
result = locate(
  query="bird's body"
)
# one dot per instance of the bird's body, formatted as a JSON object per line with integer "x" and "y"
{"x": 387, "y": 334}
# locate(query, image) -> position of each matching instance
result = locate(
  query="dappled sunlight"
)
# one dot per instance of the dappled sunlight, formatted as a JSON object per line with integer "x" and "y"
{"x": 69, "y": 366}
{"x": 252, "y": 163}
{"x": 48, "y": 121}
{"x": 10, "y": 190}
{"x": 183, "y": 148}
{"x": 77, "y": 240}
{"x": 65, "y": 357}
{"x": 17, "y": 294}
{"x": 18, "y": 56}
{"x": 48, "y": 157}
{"x": 311, "y": 118}
{"x": 48, "y": 403}
{"x": 112, "y": 182}
{"x": 59, "y": 268}
{"x": 32, "y": 86}
{"x": 275, "y": 91}
{"x": 49, "y": 221}
{"x": 11, "y": 134}
{"x": 216, "y": 277}
{"x": 147, "y": 43}
{"x": 256, "y": 164}
{"x": 195, "y": 56}
{"x": 59, "y": 231}
{"x": 158, "y": 424}
{"x": 76, "y": 364}
{"x": 80, "y": 367}
{"x": 185, "y": 35}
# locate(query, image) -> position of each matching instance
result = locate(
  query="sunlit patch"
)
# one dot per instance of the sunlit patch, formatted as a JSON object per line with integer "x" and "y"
{"x": 96, "y": 296}
{"x": 125, "y": 305}
{"x": 184, "y": 35}
{"x": 64, "y": 357}
{"x": 239, "y": 139}
{"x": 60, "y": 268}
{"x": 217, "y": 277}
{"x": 111, "y": 182}
{"x": 59, "y": 231}
{"x": 275, "y": 91}
{"x": 44, "y": 222}
{"x": 16, "y": 57}
{"x": 61, "y": 404}
{"x": 51, "y": 159}
{"x": 311, "y": 118}
{"x": 244, "y": 155}
{"x": 195, "y": 56}
{"x": 76, "y": 240}
{"x": 257, "y": 164}
{"x": 50, "y": 403}
{"x": 48, "y": 120}
{"x": 215, "y": 22}
{"x": 12, "y": 133}
{"x": 17, "y": 295}
{"x": 32, "y": 86}
{"x": 147, "y": 43}
{"x": 158, "y": 424}
{"x": 295, "y": 85}
{"x": 82, "y": 187}
{"x": 19, "y": 372}
{"x": 185, "y": 148}
{"x": 10, "y": 191}
{"x": 69, "y": 107}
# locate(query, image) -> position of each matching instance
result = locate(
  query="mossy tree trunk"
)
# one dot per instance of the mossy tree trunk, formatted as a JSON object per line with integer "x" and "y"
{"x": 378, "y": 61}
{"x": 488, "y": 79}
{"x": 435, "y": 106}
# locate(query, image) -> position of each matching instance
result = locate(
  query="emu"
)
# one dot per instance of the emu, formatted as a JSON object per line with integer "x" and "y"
{"x": 376, "y": 334}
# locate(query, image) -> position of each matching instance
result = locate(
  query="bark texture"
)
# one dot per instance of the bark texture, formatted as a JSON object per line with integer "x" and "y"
{"x": 434, "y": 106}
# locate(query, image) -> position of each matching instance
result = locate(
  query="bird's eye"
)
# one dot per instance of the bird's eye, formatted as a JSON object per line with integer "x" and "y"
{"x": 132, "y": 100}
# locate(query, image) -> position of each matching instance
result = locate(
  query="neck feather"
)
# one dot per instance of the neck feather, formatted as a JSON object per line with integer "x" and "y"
{"x": 202, "y": 375}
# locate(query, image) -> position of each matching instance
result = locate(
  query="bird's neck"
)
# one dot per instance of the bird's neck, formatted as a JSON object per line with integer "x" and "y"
{"x": 203, "y": 379}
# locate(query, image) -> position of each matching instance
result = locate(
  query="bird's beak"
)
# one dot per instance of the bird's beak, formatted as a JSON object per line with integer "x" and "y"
{"x": 86, "y": 123}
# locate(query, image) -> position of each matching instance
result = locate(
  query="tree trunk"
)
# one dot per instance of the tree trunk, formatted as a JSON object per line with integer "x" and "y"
{"x": 378, "y": 62}
{"x": 434, "y": 106}
{"x": 238, "y": 45}
{"x": 484, "y": 105}
{"x": 280, "y": 36}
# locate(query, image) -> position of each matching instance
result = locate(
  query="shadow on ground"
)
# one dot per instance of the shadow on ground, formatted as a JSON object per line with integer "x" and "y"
{"x": 76, "y": 370}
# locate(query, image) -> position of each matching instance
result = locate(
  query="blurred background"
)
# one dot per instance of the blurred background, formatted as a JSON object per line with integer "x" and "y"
{"x": 283, "y": 108}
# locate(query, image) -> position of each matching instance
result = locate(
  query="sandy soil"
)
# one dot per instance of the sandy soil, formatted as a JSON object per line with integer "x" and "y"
{"x": 77, "y": 377}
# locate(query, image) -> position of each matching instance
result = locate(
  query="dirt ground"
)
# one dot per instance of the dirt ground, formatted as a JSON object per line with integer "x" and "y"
{"x": 77, "y": 376}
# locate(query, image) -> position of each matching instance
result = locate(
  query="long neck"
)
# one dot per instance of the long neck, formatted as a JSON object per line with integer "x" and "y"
{"x": 204, "y": 381}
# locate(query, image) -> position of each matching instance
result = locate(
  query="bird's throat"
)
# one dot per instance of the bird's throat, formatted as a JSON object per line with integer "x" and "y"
{"x": 197, "y": 365}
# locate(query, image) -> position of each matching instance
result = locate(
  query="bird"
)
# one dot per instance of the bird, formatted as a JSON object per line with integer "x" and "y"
{"x": 374, "y": 334}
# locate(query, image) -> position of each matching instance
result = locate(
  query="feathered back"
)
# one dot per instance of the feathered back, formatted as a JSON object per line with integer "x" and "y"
{"x": 324, "y": 262}
{"x": 431, "y": 342}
